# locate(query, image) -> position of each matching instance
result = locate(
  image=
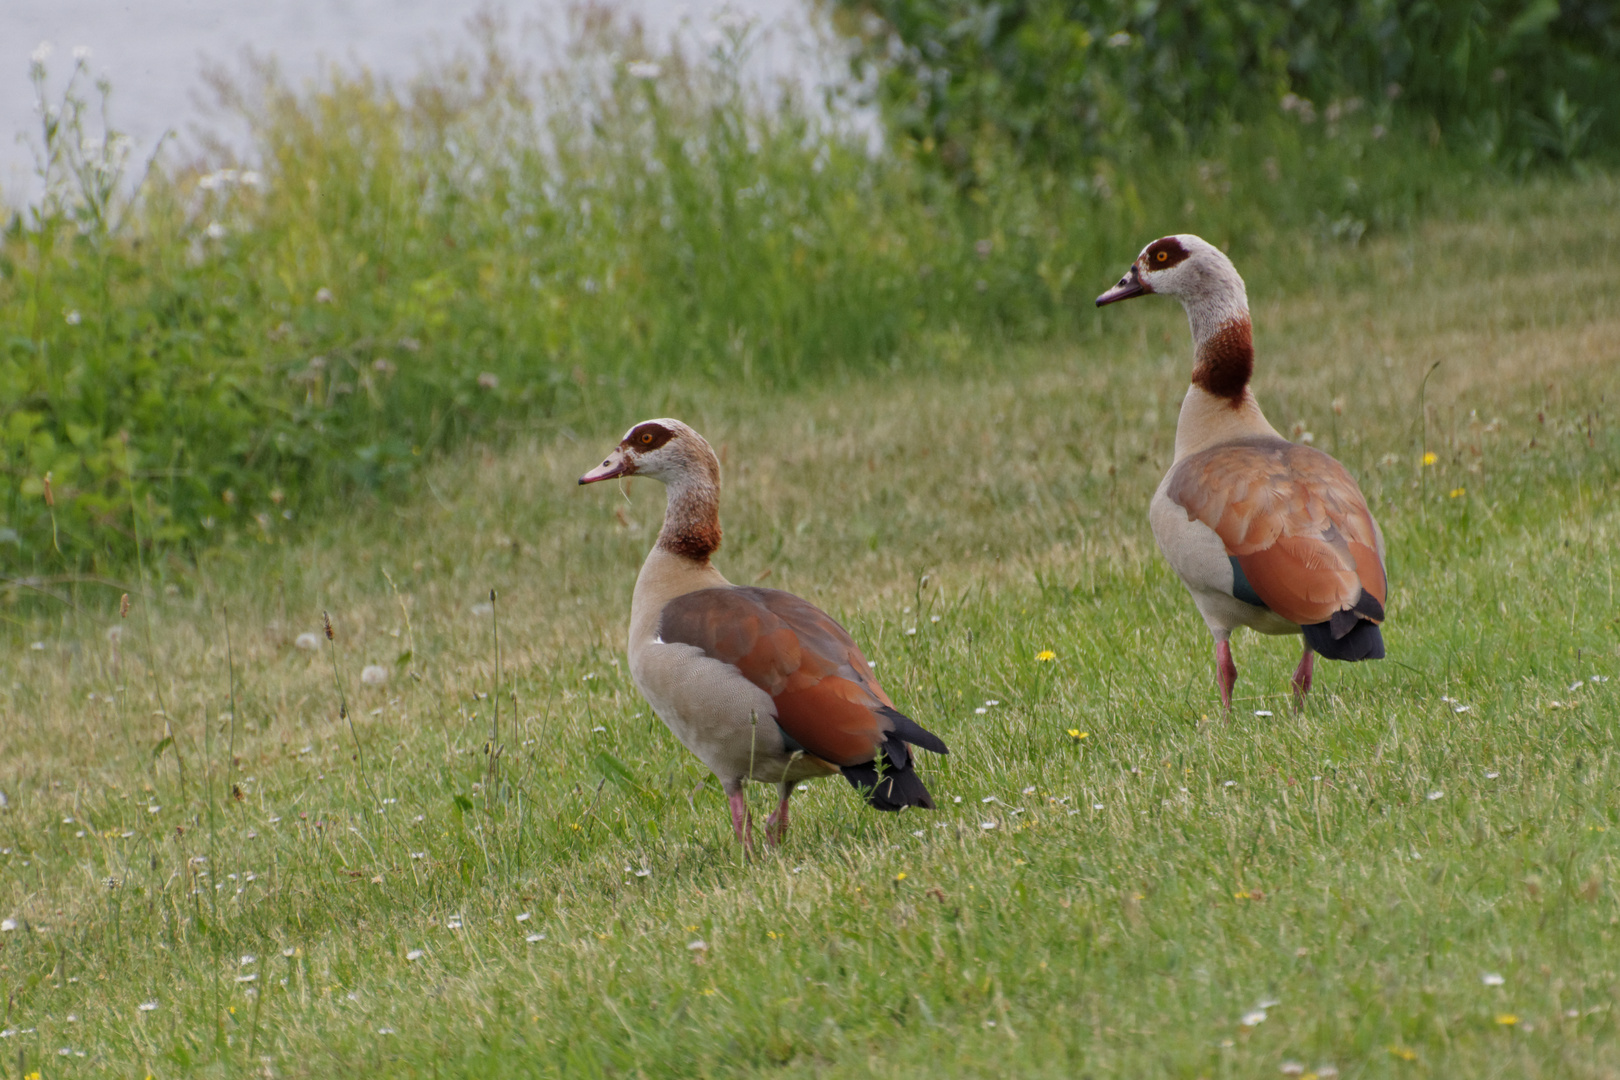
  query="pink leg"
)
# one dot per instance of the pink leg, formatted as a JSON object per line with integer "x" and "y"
{"x": 776, "y": 825}
{"x": 1302, "y": 678}
{"x": 741, "y": 824}
{"x": 1225, "y": 673}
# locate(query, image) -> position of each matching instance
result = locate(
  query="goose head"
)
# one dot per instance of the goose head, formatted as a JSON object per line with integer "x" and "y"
{"x": 1184, "y": 266}
{"x": 663, "y": 449}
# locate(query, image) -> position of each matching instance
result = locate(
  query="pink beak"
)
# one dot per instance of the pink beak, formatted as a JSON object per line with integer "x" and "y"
{"x": 618, "y": 463}
{"x": 1130, "y": 285}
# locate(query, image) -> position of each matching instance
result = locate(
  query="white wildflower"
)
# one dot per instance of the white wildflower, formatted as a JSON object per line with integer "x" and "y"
{"x": 1491, "y": 978}
{"x": 643, "y": 69}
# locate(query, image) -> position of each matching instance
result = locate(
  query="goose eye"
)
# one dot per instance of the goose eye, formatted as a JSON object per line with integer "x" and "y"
{"x": 646, "y": 437}
{"x": 1162, "y": 256}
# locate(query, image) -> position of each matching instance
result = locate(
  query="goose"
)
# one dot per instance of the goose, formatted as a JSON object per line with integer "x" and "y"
{"x": 1265, "y": 533}
{"x": 757, "y": 683}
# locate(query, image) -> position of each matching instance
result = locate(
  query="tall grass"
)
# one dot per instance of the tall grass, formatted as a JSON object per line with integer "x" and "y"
{"x": 489, "y": 249}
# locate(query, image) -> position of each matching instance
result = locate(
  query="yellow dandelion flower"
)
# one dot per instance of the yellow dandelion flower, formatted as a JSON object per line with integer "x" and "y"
{"x": 1429, "y": 459}
{"x": 1045, "y": 656}
{"x": 1506, "y": 1019}
{"x": 1457, "y": 493}
{"x": 691, "y": 928}
{"x": 1076, "y": 734}
{"x": 1405, "y": 1053}
{"x": 901, "y": 876}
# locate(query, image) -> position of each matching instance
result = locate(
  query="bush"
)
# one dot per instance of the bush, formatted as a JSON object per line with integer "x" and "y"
{"x": 484, "y": 251}
{"x": 1066, "y": 82}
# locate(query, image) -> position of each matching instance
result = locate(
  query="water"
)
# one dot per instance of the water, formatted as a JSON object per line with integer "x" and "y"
{"x": 155, "y": 51}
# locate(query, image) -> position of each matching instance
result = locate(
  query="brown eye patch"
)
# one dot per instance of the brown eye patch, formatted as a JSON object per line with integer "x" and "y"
{"x": 1165, "y": 253}
{"x": 644, "y": 437}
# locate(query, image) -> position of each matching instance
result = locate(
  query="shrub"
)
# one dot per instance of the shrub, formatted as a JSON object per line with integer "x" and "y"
{"x": 239, "y": 345}
{"x": 1065, "y": 82}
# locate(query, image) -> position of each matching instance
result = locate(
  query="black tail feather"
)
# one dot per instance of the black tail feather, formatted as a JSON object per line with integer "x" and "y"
{"x": 889, "y": 782}
{"x": 913, "y": 732}
{"x": 892, "y": 789}
{"x": 1362, "y": 641}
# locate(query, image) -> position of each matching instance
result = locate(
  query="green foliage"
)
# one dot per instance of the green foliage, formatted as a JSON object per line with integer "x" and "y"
{"x": 1068, "y": 81}
{"x": 233, "y": 350}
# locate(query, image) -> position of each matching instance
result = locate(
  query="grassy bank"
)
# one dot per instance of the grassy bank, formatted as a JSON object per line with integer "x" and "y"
{"x": 207, "y": 872}
{"x": 487, "y": 252}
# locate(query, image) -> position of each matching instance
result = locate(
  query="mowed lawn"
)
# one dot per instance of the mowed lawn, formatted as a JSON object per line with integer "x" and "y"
{"x": 1417, "y": 877}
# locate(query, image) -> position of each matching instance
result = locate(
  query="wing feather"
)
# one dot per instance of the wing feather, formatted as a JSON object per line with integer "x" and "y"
{"x": 1292, "y": 518}
{"x": 825, "y": 695}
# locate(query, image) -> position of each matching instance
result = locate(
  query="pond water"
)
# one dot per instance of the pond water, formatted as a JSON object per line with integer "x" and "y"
{"x": 155, "y": 51}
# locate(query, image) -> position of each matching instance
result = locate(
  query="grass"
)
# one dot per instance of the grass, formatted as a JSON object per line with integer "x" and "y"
{"x": 1128, "y": 886}
{"x": 484, "y": 250}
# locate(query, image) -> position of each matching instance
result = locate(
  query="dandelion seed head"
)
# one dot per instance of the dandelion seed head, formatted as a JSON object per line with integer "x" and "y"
{"x": 373, "y": 675}
{"x": 307, "y": 641}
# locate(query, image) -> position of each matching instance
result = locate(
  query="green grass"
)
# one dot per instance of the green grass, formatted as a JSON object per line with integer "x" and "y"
{"x": 1143, "y": 887}
{"x": 483, "y": 253}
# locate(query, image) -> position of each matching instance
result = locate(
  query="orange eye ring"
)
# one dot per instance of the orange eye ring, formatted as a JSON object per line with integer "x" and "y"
{"x": 1162, "y": 256}
{"x": 646, "y": 437}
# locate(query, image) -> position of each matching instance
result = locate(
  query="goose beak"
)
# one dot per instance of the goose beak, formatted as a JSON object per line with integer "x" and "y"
{"x": 618, "y": 463}
{"x": 1130, "y": 285}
